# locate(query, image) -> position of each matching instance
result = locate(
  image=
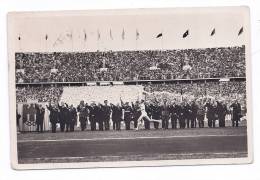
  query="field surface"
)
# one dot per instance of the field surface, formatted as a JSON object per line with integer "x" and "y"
{"x": 132, "y": 145}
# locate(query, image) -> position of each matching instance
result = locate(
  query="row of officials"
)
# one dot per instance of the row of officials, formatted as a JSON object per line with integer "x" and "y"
{"x": 186, "y": 114}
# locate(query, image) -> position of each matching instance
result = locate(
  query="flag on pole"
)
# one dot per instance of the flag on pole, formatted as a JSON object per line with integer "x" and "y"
{"x": 213, "y": 32}
{"x": 159, "y": 35}
{"x": 110, "y": 34}
{"x": 137, "y": 34}
{"x": 69, "y": 34}
{"x": 98, "y": 35}
{"x": 241, "y": 31}
{"x": 185, "y": 34}
{"x": 85, "y": 35}
{"x": 123, "y": 34}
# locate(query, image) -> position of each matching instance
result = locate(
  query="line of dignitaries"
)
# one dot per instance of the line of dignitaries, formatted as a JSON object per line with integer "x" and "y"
{"x": 185, "y": 114}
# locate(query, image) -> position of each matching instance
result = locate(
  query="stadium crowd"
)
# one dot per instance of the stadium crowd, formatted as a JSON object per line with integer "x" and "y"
{"x": 130, "y": 65}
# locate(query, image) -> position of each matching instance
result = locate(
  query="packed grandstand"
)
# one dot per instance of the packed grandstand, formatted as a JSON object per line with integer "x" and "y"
{"x": 174, "y": 75}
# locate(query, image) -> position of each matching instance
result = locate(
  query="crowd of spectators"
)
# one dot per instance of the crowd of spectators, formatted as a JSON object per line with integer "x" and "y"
{"x": 218, "y": 90}
{"x": 130, "y": 65}
{"x": 226, "y": 91}
{"x": 38, "y": 94}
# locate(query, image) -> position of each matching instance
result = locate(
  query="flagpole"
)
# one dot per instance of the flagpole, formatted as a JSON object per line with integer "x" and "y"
{"x": 162, "y": 40}
{"x": 19, "y": 39}
{"x": 46, "y": 45}
{"x": 72, "y": 41}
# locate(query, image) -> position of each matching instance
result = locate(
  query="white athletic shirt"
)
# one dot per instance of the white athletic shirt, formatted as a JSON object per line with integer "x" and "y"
{"x": 142, "y": 107}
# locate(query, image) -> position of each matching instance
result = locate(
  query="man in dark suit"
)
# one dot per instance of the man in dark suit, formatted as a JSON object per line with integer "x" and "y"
{"x": 54, "y": 116}
{"x": 117, "y": 116}
{"x": 165, "y": 114}
{"x": 100, "y": 117}
{"x": 200, "y": 113}
{"x": 193, "y": 114}
{"x": 221, "y": 112}
{"x": 156, "y": 114}
{"x": 210, "y": 112}
{"x": 127, "y": 109}
{"x": 63, "y": 116}
{"x": 40, "y": 111}
{"x": 186, "y": 114}
{"x": 174, "y": 111}
{"x": 83, "y": 115}
{"x": 72, "y": 117}
{"x": 236, "y": 113}
{"x": 92, "y": 118}
{"x": 107, "y": 112}
{"x": 182, "y": 115}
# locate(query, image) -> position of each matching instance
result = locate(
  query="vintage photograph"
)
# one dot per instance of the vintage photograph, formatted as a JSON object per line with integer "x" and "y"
{"x": 122, "y": 88}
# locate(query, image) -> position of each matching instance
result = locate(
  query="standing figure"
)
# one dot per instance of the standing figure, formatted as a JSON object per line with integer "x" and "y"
{"x": 221, "y": 112}
{"x": 186, "y": 114}
{"x": 156, "y": 113}
{"x": 116, "y": 116}
{"x": 72, "y": 117}
{"x": 92, "y": 118}
{"x": 63, "y": 116}
{"x": 210, "y": 112}
{"x": 165, "y": 114}
{"x": 83, "y": 115}
{"x": 127, "y": 109}
{"x": 136, "y": 113}
{"x": 236, "y": 113}
{"x": 200, "y": 114}
{"x": 174, "y": 112}
{"x": 54, "y": 116}
{"x": 107, "y": 112}
{"x": 193, "y": 114}
{"x": 40, "y": 111}
{"x": 100, "y": 117}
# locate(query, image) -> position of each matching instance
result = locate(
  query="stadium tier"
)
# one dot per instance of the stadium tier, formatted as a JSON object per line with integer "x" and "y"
{"x": 74, "y": 94}
{"x": 130, "y": 65}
